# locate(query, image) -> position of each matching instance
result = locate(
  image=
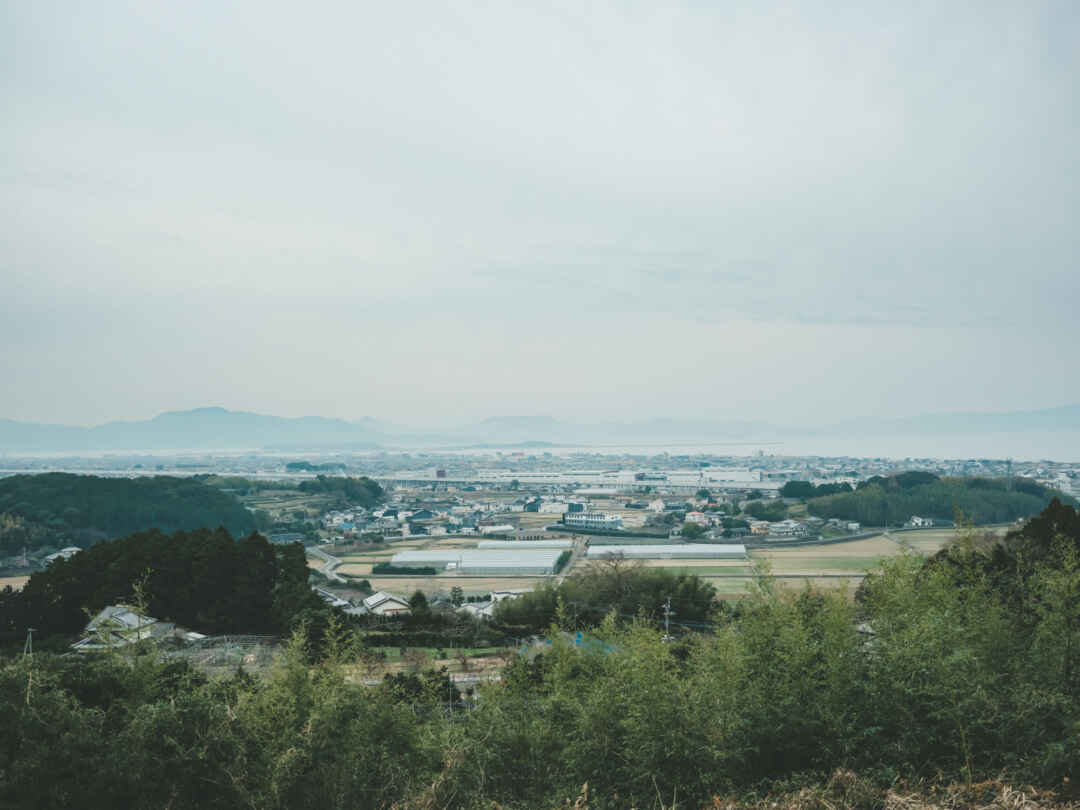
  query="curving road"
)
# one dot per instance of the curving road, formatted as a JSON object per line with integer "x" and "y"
{"x": 329, "y": 564}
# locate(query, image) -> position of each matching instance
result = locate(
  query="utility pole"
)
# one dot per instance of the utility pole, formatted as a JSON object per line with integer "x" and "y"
{"x": 28, "y": 646}
{"x": 667, "y": 619}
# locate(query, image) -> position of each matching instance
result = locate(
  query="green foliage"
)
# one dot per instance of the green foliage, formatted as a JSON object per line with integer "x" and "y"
{"x": 562, "y": 560}
{"x": 891, "y": 501}
{"x": 87, "y": 509}
{"x": 307, "y": 466}
{"x": 766, "y": 510}
{"x": 692, "y": 531}
{"x": 357, "y": 491}
{"x": 590, "y": 593}
{"x": 962, "y": 666}
{"x": 797, "y": 489}
{"x": 201, "y": 579}
{"x": 804, "y": 489}
{"x": 416, "y": 570}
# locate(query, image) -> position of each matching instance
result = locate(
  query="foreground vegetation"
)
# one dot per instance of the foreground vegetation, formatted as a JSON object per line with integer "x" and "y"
{"x": 965, "y": 666}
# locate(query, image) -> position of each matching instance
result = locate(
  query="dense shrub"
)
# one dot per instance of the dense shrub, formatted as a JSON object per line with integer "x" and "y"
{"x": 962, "y": 666}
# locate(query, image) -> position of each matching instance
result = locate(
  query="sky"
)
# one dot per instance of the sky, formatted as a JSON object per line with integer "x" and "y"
{"x": 435, "y": 213}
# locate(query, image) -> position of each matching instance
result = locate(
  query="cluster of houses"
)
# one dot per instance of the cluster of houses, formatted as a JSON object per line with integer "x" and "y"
{"x": 448, "y": 517}
{"x": 382, "y": 603}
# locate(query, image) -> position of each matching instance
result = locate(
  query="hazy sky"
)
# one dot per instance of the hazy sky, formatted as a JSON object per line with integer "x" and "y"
{"x": 435, "y": 213}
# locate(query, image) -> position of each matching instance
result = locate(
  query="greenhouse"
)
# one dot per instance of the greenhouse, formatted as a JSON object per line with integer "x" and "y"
{"x": 483, "y": 561}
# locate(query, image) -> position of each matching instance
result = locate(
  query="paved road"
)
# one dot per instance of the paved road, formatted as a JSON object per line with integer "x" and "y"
{"x": 329, "y": 564}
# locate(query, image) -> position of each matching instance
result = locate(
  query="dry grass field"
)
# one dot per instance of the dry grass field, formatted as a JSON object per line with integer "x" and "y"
{"x": 694, "y": 563}
{"x": 354, "y": 569}
{"x": 926, "y": 541}
{"x": 868, "y": 547}
{"x": 16, "y": 583}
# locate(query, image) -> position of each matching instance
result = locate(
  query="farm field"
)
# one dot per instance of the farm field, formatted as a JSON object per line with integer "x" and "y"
{"x": 382, "y": 556}
{"x": 691, "y": 563}
{"x": 354, "y": 569}
{"x": 855, "y": 558}
{"x": 926, "y": 541}
{"x": 711, "y": 571}
{"x": 822, "y": 564}
{"x": 878, "y": 545}
{"x": 15, "y": 583}
{"x": 729, "y": 587}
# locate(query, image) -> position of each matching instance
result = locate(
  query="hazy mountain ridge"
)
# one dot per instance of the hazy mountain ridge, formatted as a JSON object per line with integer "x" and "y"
{"x": 219, "y": 428}
{"x": 199, "y": 428}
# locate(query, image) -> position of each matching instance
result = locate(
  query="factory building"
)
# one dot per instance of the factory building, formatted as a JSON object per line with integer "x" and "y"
{"x": 592, "y": 520}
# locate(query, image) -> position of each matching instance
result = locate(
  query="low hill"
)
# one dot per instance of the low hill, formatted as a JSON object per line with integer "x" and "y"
{"x": 893, "y": 500}
{"x": 83, "y": 509}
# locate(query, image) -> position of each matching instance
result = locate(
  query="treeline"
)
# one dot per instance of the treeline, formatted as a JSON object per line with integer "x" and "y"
{"x": 626, "y": 587}
{"x": 966, "y": 667}
{"x": 891, "y": 501}
{"x": 85, "y": 509}
{"x": 307, "y": 466}
{"x": 804, "y": 489}
{"x": 413, "y": 570}
{"x": 358, "y": 491}
{"x": 203, "y": 580}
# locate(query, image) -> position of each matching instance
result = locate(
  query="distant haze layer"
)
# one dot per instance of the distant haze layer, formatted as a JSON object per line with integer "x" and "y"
{"x": 1050, "y": 434}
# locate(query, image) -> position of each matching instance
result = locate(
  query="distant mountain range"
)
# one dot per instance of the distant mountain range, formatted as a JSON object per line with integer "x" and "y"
{"x": 201, "y": 428}
{"x": 218, "y": 428}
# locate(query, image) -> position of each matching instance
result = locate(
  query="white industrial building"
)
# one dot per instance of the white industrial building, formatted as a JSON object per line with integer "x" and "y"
{"x": 483, "y": 561}
{"x": 670, "y": 551}
{"x": 592, "y": 520}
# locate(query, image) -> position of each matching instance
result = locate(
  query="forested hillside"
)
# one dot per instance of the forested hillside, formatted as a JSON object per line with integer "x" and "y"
{"x": 891, "y": 501}
{"x": 203, "y": 579}
{"x": 84, "y": 509}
